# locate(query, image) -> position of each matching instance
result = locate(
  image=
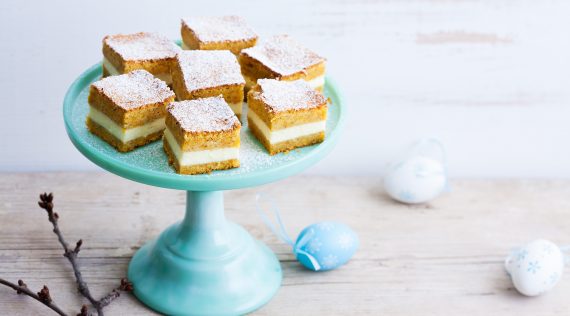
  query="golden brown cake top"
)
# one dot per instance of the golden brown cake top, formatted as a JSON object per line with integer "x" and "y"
{"x": 219, "y": 28}
{"x": 204, "y": 115}
{"x": 283, "y": 55}
{"x": 134, "y": 89}
{"x": 141, "y": 46}
{"x": 204, "y": 69}
{"x": 280, "y": 96}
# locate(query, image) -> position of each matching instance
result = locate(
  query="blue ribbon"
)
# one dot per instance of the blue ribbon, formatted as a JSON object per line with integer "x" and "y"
{"x": 281, "y": 233}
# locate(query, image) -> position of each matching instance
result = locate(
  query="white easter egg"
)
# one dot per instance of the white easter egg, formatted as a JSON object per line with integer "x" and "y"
{"x": 535, "y": 268}
{"x": 417, "y": 179}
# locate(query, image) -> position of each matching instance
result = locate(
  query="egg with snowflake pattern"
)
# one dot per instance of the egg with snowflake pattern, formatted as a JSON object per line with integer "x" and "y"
{"x": 535, "y": 268}
{"x": 325, "y": 246}
{"x": 415, "y": 180}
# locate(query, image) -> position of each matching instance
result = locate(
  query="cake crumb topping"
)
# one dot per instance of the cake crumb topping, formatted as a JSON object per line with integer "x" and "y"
{"x": 204, "y": 115}
{"x": 204, "y": 69}
{"x": 219, "y": 28}
{"x": 142, "y": 46}
{"x": 283, "y": 55}
{"x": 289, "y": 95}
{"x": 134, "y": 89}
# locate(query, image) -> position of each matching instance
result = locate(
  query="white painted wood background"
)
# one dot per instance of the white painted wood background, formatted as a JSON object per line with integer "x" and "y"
{"x": 489, "y": 78}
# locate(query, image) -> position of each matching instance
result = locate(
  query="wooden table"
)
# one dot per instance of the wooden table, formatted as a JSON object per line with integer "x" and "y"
{"x": 445, "y": 258}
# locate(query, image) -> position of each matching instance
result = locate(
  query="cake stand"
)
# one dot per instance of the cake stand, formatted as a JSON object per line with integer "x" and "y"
{"x": 203, "y": 265}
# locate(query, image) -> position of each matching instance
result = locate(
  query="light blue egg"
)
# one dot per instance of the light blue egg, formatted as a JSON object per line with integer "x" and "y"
{"x": 325, "y": 246}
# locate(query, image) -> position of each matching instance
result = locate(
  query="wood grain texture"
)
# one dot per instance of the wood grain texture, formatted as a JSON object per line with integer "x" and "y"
{"x": 445, "y": 258}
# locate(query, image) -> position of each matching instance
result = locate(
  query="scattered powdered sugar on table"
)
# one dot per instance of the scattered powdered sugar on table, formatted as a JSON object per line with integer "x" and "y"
{"x": 135, "y": 89}
{"x": 209, "y": 68}
{"x": 219, "y": 28}
{"x": 283, "y": 55}
{"x": 289, "y": 95}
{"x": 142, "y": 46}
{"x": 204, "y": 115}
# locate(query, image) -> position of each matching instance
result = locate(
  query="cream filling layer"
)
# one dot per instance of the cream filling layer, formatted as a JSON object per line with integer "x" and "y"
{"x": 285, "y": 134}
{"x": 316, "y": 82}
{"x": 166, "y": 77}
{"x": 237, "y": 107}
{"x": 122, "y": 134}
{"x": 249, "y": 82}
{"x": 191, "y": 158}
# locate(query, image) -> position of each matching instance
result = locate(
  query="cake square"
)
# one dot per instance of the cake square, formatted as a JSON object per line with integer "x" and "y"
{"x": 217, "y": 33}
{"x": 285, "y": 115}
{"x": 123, "y": 53}
{"x": 128, "y": 111}
{"x": 201, "y": 135}
{"x": 281, "y": 57}
{"x": 208, "y": 73}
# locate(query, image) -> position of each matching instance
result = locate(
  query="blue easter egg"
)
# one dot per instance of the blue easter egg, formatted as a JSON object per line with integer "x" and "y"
{"x": 325, "y": 246}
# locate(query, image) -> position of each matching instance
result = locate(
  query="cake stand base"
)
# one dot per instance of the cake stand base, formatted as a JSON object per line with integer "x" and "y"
{"x": 205, "y": 265}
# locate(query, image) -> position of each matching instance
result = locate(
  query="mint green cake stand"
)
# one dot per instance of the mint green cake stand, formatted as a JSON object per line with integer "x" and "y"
{"x": 203, "y": 265}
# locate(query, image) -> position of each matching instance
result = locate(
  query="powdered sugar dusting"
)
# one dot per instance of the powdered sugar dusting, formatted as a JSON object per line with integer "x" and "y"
{"x": 204, "y": 115}
{"x": 255, "y": 162}
{"x": 134, "y": 89}
{"x": 283, "y": 55}
{"x": 289, "y": 95}
{"x": 209, "y": 68}
{"x": 142, "y": 46}
{"x": 219, "y": 28}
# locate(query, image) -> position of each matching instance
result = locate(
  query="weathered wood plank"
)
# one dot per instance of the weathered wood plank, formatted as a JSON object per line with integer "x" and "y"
{"x": 442, "y": 258}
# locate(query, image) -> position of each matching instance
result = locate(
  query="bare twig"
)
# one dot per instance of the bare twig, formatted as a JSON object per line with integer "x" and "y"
{"x": 43, "y": 296}
{"x": 125, "y": 286}
{"x": 46, "y": 202}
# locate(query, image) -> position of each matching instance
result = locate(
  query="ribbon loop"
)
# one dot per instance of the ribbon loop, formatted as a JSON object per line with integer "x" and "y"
{"x": 281, "y": 232}
{"x": 279, "y": 229}
{"x": 432, "y": 147}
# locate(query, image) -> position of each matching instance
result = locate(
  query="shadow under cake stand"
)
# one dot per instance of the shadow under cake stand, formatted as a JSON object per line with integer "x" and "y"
{"x": 203, "y": 265}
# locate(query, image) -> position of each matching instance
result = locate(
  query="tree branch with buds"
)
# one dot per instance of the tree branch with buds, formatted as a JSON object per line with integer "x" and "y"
{"x": 43, "y": 296}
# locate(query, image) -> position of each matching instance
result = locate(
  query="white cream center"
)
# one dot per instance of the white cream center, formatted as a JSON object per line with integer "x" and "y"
{"x": 122, "y": 134}
{"x": 190, "y": 158}
{"x": 110, "y": 67}
{"x": 237, "y": 107}
{"x": 166, "y": 77}
{"x": 316, "y": 82}
{"x": 249, "y": 82}
{"x": 285, "y": 134}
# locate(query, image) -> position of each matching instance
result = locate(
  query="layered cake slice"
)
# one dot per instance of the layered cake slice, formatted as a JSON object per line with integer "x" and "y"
{"x": 128, "y": 111}
{"x": 208, "y": 73}
{"x": 123, "y": 53}
{"x": 285, "y": 115}
{"x": 201, "y": 136}
{"x": 281, "y": 57}
{"x": 217, "y": 33}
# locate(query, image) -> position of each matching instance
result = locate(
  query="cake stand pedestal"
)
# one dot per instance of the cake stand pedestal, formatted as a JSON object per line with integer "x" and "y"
{"x": 203, "y": 265}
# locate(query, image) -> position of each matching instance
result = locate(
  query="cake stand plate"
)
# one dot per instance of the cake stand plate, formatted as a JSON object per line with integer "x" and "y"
{"x": 203, "y": 265}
